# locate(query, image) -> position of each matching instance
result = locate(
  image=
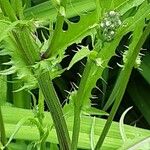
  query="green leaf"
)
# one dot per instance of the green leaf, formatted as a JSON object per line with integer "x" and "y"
{"x": 76, "y": 7}
{"x": 30, "y": 132}
{"x": 138, "y": 90}
{"x": 145, "y": 66}
{"x": 80, "y": 54}
{"x": 74, "y": 33}
{"x": 53, "y": 146}
{"x": 92, "y": 134}
{"x": 121, "y": 124}
{"x": 138, "y": 18}
{"x": 94, "y": 111}
{"x": 18, "y": 8}
{"x": 4, "y": 29}
{"x": 8, "y": 71}
{"x": 123, "y": 6}
{"x": 139, "y": 143}
{"x": 138, "y": 39}
{"x": 18, "y": 126}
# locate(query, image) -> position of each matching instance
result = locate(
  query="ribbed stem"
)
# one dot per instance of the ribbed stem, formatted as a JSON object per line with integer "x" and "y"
{"x": 55, "y": 109}
{"x": 2, "y": 129}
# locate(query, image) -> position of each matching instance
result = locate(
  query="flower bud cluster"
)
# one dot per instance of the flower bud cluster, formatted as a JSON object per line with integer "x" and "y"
{"x": 109, "y": 24}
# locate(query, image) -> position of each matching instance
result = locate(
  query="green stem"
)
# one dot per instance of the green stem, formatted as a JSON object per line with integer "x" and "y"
{"x": 83, "y": 95}
{"x": 55, "y": 109}
{"x": 41, "y": 106}
{"x": 2, "y": 130}
{"x": 41, "y": 117}
{"x": 78, "y": 106}
{"x": 22, "y": 98}
{"x": 126, "y": 72}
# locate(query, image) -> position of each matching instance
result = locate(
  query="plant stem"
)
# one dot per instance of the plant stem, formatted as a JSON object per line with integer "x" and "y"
{"x": 41, "y": 106}
{"x": 54, "y": 107}
{"x": 2, "y": 130}
{"x": 22, "y": 98}
{"x": 41, "y": 117}
{"x": 78, "y": 103}
{"x": 126, "y": 72}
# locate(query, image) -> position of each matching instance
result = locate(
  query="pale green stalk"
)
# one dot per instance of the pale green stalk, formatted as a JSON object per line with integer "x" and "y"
{"x": 78, "y": 106}
{"x": 55, "y": 109}
{"x": 3, "y": 139}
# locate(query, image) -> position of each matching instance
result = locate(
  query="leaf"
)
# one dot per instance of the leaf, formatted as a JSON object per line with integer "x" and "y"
{"x": 93, "y": 111}
{"x": 47, "y": 11}
{"x": 145, "y": 66}
{"x": 18, "y": 126}
{"x": 92, "y": 134}
{"x": 121, "y": 124}
{"x": 28, "y": 132}
{"x": 17, "y": 146}
{"x": 138, "y": 19}
{"x": 8, "y": 71}
{"x": 4, "y": 28}
{"x": 138, "y": 90}
{"x": 53, "y": 146}
{"x": 83, "y": 52}
{"x": 124, "y": 6}
{"x": 76, "y": 7}
{"x": 138, "y": 143}
{"x": 142, "y": 145}
{"x": 18, "y": 8}
{"x": 74, "y": 33}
